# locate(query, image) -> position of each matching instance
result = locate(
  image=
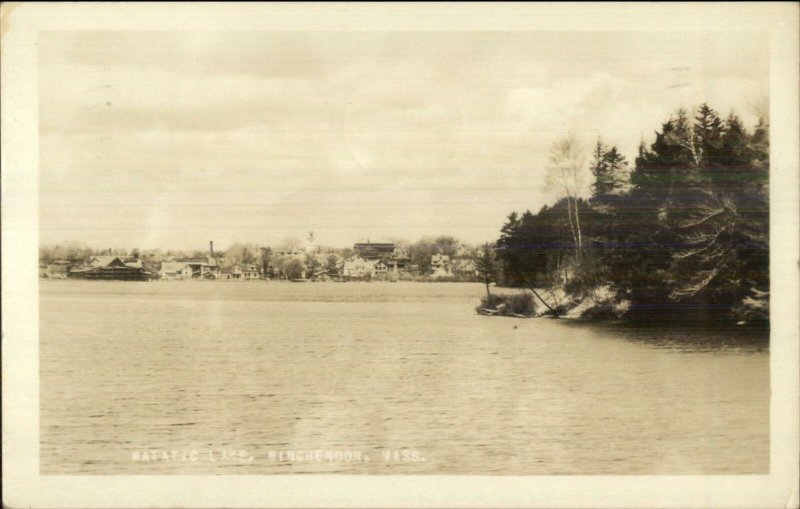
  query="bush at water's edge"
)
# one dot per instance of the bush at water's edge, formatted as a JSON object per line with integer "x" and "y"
{"x": 520, "y": 304}
{"x": 562, "y": 304}
{"x": 597, "y": 304}
{"x": 602, "y": 303}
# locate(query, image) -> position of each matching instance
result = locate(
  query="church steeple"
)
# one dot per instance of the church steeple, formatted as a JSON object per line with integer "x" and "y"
{"x": 310, "y": 245}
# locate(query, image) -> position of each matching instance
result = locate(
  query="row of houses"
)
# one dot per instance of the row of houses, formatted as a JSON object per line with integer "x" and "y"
{"x": 137, "y": 269}
{"x": 379, "y": 258}
{"x": 442, "y": 266}
{"x": 207, "y": 268}
{"x": 132, "y": 268}
{"x": 370, "y": 260}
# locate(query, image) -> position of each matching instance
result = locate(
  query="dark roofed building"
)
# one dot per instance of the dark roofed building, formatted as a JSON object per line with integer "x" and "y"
{"x": 372, "y": 251}
{"x": 118, "y": 268}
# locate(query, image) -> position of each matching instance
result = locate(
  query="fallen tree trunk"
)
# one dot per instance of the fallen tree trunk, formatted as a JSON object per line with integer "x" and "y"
{"x": 553, "y": 311}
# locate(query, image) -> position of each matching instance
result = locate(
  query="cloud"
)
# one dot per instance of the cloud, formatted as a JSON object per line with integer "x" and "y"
{"x": 294, "y": 124}
{"x": 86, "y": 100}
{"x": 283, "y": 55}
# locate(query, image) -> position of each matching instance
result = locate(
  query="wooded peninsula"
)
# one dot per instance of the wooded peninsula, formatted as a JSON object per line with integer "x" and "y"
{"x": 682, "y": 233}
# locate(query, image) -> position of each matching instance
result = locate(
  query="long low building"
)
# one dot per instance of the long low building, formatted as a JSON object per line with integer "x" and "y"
{"x": 373, "y": 250}
{"x": 390, "y": 253}
{"x": 116, "y": 268}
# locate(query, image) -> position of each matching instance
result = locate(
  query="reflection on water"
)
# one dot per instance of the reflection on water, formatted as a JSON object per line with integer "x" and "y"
{"x": 686, "y": 338}
{"x": 380, "y": 378}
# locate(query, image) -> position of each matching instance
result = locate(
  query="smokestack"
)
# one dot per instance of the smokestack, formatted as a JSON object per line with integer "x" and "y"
{"x": 211, "y": 247}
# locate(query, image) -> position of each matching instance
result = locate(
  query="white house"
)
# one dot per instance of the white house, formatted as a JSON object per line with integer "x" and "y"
{"x": 464, "y": 267}
{"x": 206, "y": 267}
{"x": 175, "y": 270}
{"x": 378, "y": 267}
{"x": 249, "y": 271}
{"x": 440, "y": 265}
{"x": 358, "y": 268}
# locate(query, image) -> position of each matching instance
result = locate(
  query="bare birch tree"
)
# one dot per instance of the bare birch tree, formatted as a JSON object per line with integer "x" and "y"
{"x": 567, "y": 175}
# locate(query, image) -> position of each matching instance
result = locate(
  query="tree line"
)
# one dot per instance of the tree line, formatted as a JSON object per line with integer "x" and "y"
{"x": 681, "y": 232}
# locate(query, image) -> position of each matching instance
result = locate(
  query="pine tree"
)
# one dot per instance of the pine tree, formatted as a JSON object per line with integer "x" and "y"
{"x": 602, "y": 184}
{"x": 610, "y": 170}
{"x": 508, "y": 248}
{"x": 706, "y": 214}
{"x": 485, "y": 266}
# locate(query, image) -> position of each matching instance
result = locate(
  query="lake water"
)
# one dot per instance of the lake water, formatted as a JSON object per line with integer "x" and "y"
{"x": 381, "y": 378}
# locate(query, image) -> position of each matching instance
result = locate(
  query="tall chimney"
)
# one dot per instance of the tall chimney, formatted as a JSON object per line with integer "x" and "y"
{"x": 211, "y": 247}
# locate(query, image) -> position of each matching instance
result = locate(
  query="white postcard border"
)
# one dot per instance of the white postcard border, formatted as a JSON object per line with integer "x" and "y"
{"x": 24, "y": 487}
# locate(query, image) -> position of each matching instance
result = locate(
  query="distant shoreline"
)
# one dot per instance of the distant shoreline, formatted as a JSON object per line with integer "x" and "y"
{"x": 255, "y": 281}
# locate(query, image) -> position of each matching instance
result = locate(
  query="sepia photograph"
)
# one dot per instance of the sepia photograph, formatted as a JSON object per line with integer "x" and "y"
{"x": 425, "y": 251}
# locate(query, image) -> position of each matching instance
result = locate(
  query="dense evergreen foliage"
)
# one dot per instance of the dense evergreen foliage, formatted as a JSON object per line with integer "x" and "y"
{"x": 684, "y": 233}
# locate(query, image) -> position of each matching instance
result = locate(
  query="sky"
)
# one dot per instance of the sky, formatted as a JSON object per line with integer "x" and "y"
{"x": 171, "y": 139}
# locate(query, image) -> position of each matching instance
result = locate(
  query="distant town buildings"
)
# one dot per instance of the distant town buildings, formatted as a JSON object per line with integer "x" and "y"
{"x": 366, "y": 261}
